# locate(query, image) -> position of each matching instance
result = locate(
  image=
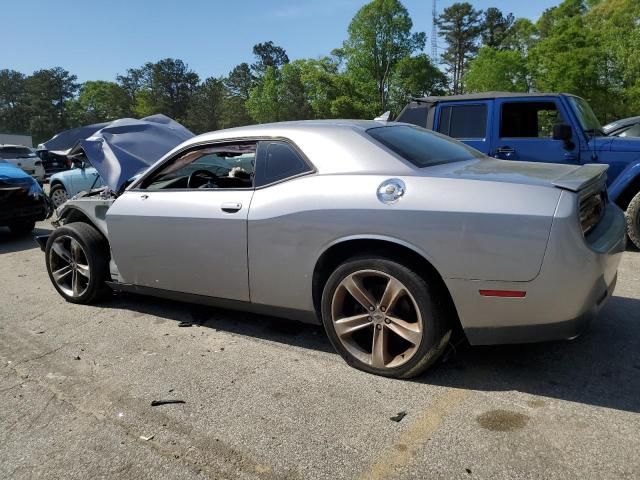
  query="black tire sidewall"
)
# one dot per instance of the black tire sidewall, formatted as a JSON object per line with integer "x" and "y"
{"x": 434, "y": 322}
{"x": 96, "y": 251}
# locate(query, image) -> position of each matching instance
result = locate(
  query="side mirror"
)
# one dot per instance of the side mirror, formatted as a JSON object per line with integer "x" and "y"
{"x": 562, "y": 131}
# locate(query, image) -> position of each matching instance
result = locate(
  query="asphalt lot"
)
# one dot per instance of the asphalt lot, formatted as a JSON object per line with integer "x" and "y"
{"x": 268, "y": 399}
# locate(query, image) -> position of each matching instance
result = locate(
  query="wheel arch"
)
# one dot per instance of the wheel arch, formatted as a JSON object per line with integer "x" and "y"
{"x": 628, "y": 192}
{"x": 394, "y": 249}
{"x": 72, "y": 214}
{"x": 55, "y": 182}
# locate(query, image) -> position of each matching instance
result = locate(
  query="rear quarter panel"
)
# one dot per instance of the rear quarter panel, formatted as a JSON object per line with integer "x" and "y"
{"x": 465, "y": 228}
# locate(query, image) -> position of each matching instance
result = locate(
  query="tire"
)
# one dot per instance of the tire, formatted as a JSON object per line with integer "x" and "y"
{"x": 632, "y": 215}
{"x": 58, "y": 195}
{"x": 419, "y": 313}
{"x": 22, "y": 227}
{"x": 77, "y": 258}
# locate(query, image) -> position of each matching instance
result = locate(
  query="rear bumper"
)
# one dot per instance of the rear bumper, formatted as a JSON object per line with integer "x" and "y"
{"x": 577, "y": 277}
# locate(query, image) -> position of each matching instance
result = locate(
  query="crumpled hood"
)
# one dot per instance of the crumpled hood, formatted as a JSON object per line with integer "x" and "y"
{"x": 63, "y": 142}
{"x": 127, "y": 146}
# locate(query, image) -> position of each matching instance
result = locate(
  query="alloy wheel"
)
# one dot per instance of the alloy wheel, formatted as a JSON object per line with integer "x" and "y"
{"x": 376, "y": 319}
{"x": 69, "y": 266}
{"x": 58, "y": 197}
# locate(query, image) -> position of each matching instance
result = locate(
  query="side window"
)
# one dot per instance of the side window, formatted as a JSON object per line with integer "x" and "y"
{"x": 213, "y": 167}
{"x": 529, "y": 119}
{"x": 278, "y": 161}
{"x": 632, "y": 131}
{"x": 463, "y": 121}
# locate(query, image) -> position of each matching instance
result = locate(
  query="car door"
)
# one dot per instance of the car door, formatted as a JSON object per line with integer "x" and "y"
{"x": 466, "y": 121}
{"x": 84, "y": 179}
{"x": 525, "y": 131}
{"x": 171, "y": 233}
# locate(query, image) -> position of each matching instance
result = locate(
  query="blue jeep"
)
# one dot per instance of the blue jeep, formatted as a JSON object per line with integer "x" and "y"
{"x": 537, "y": 127}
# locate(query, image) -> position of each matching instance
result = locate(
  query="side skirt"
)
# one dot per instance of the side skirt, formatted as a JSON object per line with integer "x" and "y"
{"x": 288, "y": 313}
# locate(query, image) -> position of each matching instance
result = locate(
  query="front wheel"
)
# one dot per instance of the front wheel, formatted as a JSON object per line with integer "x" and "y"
{"x": 632, "y": 215}
{"x": 77, "y": 259}
{"x": 384, "y": 318}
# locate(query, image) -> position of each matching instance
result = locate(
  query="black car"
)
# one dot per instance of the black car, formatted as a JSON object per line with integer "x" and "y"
{"x": 22, "y": 201}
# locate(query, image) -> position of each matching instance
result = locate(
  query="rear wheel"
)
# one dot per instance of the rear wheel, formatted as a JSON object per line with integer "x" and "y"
{"x": 384, "y": 318}
{"x": 632, "y": 215}
{"x": 77, "y": 259}
{"x": 22, "y": 227}
{"x": 58, "y": 195}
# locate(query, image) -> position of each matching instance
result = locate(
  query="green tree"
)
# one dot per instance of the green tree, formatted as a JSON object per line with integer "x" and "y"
{"x": 207, "y": 106}
{"x": 14, "y": 111}
{"x": 49, "y": 93}
{"x": 379, "y": 38}
{"x": 100, "y": 101}
{"x": 240, "y": 81}
{"x": 502, "y": 70}
{"x": 522, "y": 36}
{"x": 162, "y": 87}
{"x": 268, "y": 55}
{"x": 415, "y": 76}
{"x": 495, "y": 27}
{"x": 460, "y": 25}
{"x": 264, "y": 100}
{"x": 569, "y": 57}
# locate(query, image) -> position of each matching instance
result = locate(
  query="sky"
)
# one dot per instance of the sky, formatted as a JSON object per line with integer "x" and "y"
{"x": 97, "y": 40}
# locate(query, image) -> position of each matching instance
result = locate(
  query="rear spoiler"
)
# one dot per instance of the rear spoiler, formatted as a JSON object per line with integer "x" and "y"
{"x": 581, "y": 177}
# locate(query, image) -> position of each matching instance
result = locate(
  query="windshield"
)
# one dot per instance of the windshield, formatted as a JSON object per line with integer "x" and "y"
{"x": 422, "y": 147}
{"x": 16, "y": 152}
{"x": 586, "y": 117}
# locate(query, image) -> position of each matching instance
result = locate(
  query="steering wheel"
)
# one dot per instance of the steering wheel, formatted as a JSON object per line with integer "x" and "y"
{"x": 201, "y": 175}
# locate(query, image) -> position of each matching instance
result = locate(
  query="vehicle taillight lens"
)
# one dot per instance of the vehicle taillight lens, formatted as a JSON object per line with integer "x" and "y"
{"x": 591, "y": 211}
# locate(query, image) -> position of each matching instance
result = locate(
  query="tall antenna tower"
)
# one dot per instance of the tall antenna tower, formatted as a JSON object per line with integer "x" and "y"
{"x": 434, "y": 33}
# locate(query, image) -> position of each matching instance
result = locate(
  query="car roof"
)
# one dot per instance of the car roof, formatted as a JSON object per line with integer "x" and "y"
{"x": 332, "y": 146}
{"x": 9, "y": 145}
{"x": 623, "y": 122}
{"x": 484, "y": 96}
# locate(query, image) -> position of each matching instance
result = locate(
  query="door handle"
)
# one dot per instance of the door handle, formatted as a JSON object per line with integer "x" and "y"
{"x": 506, "y": 150}
{"x": 231, "y": 207}
{"x": 144, "y": 196}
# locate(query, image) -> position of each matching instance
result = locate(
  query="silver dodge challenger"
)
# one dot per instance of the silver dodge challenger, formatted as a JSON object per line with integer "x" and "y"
{"x": 391, "y": 236}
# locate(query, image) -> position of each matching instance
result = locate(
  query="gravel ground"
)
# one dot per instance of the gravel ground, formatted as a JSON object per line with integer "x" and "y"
{"x": 268, "y": 399}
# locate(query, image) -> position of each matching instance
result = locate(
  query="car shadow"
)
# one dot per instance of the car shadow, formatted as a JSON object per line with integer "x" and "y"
{"x": 264, "y": 327}
{"x": 600, "y": 368}
{"x": 11, "y": 243}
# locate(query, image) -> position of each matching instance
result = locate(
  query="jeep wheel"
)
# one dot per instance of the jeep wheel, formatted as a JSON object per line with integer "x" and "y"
{"x": 632, "y": 215}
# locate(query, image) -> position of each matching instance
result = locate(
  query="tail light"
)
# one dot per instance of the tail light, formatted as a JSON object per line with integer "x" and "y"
{"x": 592, "y": 210}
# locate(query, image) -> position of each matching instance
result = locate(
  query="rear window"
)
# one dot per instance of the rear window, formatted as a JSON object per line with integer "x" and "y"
{"x": 16, "y": 152}
{"x": 422, "y": 147}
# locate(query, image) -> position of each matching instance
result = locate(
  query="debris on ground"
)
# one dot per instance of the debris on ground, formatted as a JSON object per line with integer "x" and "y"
{"x": 399, "y": 416}
{"x": 156, "y": 403}
{"x": 146, "y": 439}
{"x": 185, "y": 324}
{"x": 77, "y": 357}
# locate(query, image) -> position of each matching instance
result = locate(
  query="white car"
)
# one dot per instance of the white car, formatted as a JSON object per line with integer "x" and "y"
{"x": 24, "y": 158}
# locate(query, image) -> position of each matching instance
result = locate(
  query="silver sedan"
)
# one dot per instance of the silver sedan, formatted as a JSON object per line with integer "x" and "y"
{"x": 395, "y": 238}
